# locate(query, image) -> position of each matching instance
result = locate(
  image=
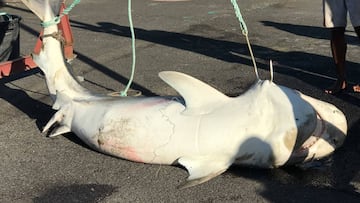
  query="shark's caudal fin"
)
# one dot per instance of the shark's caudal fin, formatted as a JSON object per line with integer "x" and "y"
{"x": 50, "y": 55}
{"x": 44, "y": 9}
{"x": 204, "y": 168}
{"x": 51, "y": 59}
{"x": 200, "y": 98}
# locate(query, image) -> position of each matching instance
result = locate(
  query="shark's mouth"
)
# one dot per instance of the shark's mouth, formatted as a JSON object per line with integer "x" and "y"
{"x": 302, "y": 153}
{"x": 316, "y": 135}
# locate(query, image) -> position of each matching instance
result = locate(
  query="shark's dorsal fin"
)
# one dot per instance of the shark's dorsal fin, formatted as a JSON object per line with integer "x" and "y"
{"x": 200, "y": 98}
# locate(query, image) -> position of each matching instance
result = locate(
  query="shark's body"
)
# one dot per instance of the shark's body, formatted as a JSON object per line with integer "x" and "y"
{"x": 268, "y": 126}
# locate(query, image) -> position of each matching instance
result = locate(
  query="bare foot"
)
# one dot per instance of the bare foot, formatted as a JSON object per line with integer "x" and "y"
{"x": 356, "y": 88}
{"x": 337, "y": 88}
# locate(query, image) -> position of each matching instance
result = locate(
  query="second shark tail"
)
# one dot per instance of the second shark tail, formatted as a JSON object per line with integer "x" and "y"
{"x": 50, "y": 59}
{"x": 44, "y": 9}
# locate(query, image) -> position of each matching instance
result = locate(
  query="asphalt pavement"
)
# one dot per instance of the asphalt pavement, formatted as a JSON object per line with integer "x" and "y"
{"x": 201, "y": 38}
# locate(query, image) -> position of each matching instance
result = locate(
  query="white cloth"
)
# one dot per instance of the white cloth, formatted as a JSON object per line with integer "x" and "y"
{"x": 335, "y": 12}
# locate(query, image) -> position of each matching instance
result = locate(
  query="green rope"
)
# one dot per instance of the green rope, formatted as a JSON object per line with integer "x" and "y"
{"x": 245, "y": 32}
{"x": 56, "y": 20}
{"x": 239, "y": 16}
{"x": 124, "y": 93}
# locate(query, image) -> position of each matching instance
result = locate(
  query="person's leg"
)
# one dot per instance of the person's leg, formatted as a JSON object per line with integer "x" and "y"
{"x": 354, "y": 13}
{"x": 338, "y": 48}
{"x": 357, "y": 87}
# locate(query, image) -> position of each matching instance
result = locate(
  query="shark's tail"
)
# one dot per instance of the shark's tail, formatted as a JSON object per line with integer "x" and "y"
{"x": 45, "y": 9}
{"x": 50, "y": 59}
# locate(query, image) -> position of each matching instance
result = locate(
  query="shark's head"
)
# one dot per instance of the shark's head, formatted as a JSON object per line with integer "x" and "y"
{"x": 329, "y": 133}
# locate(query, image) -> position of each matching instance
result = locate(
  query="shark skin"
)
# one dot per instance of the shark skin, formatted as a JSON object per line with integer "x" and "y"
{"x": 205, "y": 131}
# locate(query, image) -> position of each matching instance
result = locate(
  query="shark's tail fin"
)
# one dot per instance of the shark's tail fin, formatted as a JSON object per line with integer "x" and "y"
{"x": 44, "y": 9}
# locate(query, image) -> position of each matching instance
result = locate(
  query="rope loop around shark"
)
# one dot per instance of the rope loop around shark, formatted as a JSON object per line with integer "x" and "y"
{"x": 269, "y": 126}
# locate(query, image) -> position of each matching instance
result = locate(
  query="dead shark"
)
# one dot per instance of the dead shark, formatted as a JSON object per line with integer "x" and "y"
{"x": 206, "y": 131}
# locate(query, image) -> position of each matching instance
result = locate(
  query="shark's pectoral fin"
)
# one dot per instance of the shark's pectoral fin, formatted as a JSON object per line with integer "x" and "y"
{"x": 204, "y": 168}
{"x": 200, "y": 98}
{"x": 61, "y": 100}
{"x": 57, "y": 117}
{"x": 63, "y": 118}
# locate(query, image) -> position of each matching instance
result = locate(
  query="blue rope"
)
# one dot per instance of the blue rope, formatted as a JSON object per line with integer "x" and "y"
{"x": 56, "y": 20}
{"x": 245, "y": 32}
{"x": 239, "y": 16}
{"x": 124, "y": 93}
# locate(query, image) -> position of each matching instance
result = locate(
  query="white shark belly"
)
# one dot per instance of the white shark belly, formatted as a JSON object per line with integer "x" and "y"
{"x": 155, "y": 130}
{"x": 134, "y": 129}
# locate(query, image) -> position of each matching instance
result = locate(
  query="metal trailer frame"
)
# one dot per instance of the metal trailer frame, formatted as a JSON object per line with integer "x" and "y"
{"x": 24, "y": 63}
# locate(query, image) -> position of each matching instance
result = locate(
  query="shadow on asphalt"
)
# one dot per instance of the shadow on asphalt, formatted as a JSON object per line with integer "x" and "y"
{"x": 346, "y": 161}
{"x": 296, "y": 185}
{"x": 310, "y": 68}
{"x": 308, "y": 31}
{"x": 224, "y": 50}
{"x": 90, "y": 193}
{"x": 18, "y": 97}
{"x": 112, "y": 74}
